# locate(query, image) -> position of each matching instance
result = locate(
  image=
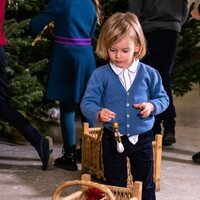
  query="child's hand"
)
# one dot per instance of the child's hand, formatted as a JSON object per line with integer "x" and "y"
{"x": 105, "y": 115}
{"x": 146, "y": 108}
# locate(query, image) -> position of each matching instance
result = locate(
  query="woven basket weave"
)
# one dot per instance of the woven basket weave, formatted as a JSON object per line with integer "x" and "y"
{"x": 110, "y": 192}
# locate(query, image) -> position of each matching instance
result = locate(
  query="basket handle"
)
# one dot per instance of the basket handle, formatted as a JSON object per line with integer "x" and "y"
{"x": 102, "y": 188}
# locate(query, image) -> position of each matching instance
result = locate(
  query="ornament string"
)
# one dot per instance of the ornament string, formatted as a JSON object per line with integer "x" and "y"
{"x": 120, "y": 146}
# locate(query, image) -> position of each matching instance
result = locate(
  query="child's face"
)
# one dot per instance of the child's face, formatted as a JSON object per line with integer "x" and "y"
{"x": 122, "y": 52}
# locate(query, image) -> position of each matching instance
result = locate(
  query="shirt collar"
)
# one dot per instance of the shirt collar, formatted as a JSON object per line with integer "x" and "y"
{"x": 132, "y": 68}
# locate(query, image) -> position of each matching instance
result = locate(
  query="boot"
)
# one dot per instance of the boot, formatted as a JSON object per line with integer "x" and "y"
{"x": 68, "y": 160}
{"x": 169, "y": 138}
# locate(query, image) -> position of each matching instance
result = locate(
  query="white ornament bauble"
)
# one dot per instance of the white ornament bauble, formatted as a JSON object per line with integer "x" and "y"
{"x": 120, "y": 147}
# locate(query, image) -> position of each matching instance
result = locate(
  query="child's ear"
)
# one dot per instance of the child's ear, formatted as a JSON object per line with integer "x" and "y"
{"x": 137, "y": 47}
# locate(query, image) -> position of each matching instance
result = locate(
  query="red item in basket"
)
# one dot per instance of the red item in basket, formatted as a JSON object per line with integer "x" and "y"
{"x": 94, "y": 194}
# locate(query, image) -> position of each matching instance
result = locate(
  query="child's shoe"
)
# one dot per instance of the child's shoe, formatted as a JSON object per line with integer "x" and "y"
{"x": 68, "y": 161}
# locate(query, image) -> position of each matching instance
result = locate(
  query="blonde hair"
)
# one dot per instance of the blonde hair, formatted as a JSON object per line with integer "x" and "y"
{"x": 99, "y": 12}
{"x": 115, "y": 28}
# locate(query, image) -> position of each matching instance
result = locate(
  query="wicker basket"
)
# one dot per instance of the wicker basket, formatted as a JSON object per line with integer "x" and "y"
{"x": 109, "y": 192}
{"x": 92, "y": 162}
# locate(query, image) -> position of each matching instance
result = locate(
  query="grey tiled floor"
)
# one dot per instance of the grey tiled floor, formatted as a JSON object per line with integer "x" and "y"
{"x": 22, "y": 179}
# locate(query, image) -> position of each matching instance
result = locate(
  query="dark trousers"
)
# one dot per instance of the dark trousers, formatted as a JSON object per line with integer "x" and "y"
{"x": 9, "y": 114}
{"x": 141, "y": 162}
{"x": 161, "y": 50}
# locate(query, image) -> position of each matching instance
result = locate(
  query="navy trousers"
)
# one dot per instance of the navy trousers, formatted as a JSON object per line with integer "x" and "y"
{"x": 141, "y": 162}
{"x": 8, "y": 113}
{"x": 161, "y": 47}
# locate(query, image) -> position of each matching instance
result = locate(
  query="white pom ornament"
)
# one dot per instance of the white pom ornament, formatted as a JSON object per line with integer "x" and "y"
{"x": 120, "y": 146}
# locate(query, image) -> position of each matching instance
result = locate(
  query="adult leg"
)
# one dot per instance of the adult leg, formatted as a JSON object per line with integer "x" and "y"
{"x": 162, "y": 49}
{"x": 12, "y": 116}
{"x": 43, "y": 145}
{"x": 17, "y": 120}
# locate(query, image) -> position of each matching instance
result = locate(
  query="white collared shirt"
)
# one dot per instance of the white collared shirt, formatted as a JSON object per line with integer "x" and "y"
{"x": 126, "y": 77}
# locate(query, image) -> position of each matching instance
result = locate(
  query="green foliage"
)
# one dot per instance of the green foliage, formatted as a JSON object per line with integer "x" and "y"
{"x": 24, "y": 9}
{"x": 186, "y": 69}
{"x": 31, "y": 87}
{"x": 27, "y": 66}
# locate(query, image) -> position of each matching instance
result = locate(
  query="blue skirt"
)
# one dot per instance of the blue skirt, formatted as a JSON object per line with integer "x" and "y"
{"x": 70, "y": 68}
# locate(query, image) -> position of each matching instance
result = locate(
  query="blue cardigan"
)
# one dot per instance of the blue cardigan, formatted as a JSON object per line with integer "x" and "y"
{"x": 104, "y": 90}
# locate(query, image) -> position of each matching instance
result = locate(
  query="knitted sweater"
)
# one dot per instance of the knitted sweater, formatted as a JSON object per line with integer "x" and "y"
{"x": 104, "y": 90}
{"x": 160, "y": 14}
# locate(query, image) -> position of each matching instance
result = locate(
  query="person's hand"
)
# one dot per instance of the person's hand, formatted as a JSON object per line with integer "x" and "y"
{"x": 51, "y": 27}
{"x": 145, "y": 108}
{"x": 105, "y": 115}
{"x": 195, "y": 13}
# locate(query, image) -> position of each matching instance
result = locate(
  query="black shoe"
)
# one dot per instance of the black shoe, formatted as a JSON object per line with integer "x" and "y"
{"x": 196, "y": 158}
{"x": 169, "y": 138}
{"x": 45, "y": 151}
{"x": 68, "y": 160}
{"x": 79, "y": 155}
